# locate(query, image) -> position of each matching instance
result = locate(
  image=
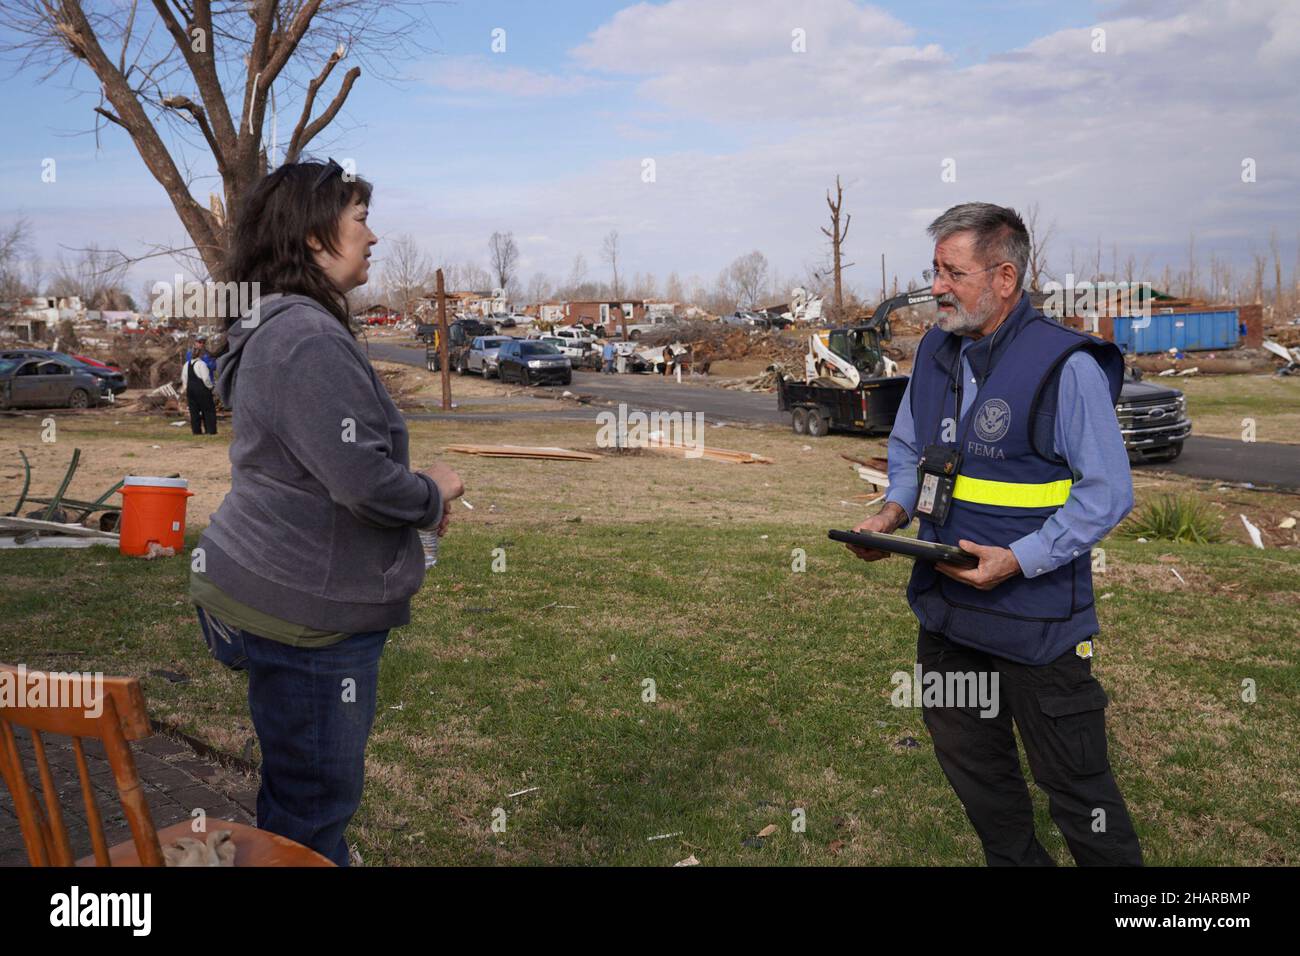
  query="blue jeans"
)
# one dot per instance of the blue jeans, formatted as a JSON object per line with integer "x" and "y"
{"x": 312, "y": 709}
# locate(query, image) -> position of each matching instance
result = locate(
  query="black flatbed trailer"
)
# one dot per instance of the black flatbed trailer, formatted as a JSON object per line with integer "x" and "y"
{"x": 817, "y": 410}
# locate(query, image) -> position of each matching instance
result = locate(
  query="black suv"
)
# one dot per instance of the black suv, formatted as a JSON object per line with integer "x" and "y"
{"x": 533, "y": 363}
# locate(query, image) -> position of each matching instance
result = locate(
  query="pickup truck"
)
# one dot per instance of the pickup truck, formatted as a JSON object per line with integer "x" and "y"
{"x": 581, "y": 352}
{"x": 1152, "y": 418}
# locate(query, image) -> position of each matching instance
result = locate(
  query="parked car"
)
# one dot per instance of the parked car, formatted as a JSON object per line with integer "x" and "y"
{"x": 113, "y": 378}
{"x": 1152, "y": 418}
{"x": 481, "y": 356}
{"x": 746, "y": 318}
{"x": 652, "y": 324}
{"x": 36, "y": 381}
{"x": 533, "y": 363}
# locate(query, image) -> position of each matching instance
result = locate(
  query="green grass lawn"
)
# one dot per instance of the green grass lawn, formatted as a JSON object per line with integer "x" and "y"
{"x": 1217, "y": 404}
{"x": 771, "y": 694}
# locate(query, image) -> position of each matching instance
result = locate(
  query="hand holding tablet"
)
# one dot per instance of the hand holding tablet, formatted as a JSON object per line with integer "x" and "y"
{"x": 911, "y": 547}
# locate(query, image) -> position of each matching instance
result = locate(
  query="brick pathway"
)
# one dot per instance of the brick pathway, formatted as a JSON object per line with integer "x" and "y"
{"x": 175, "y": 782}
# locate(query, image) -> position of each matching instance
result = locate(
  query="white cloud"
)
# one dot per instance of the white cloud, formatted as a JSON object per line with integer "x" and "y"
{"x": 1152, "y": 131}
{"x": 484, "y": 74}
{"x": 691, "y": 34}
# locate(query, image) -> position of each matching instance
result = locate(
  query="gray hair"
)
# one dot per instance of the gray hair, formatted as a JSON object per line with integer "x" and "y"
{"x": 1000, "y": 234}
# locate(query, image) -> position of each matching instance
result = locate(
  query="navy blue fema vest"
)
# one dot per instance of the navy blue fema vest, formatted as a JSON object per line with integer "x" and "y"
{"x": 1010, "y": 482}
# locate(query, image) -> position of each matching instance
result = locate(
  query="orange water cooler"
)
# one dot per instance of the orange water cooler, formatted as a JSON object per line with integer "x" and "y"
{"x": 153, "y": 509}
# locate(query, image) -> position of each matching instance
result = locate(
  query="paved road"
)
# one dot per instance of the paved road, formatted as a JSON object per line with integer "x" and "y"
{"x": 1225, "y": 459}
{"x": 1228, "y": 459}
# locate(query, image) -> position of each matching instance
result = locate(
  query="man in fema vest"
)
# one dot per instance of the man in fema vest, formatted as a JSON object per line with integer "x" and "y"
{"x": 1007, "y": 445}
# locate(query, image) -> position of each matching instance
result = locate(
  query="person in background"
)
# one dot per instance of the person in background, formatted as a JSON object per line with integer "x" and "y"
{"x": 607, "y": 353}
{"x": 314, "y": 554}
{"x": 197, "y": 384}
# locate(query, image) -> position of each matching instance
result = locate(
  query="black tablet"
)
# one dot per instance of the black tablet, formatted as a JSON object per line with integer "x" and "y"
{"x": 897, "y": 544}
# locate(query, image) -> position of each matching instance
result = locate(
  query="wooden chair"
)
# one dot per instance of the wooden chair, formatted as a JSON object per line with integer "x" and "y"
{"x": 122, "y": 718}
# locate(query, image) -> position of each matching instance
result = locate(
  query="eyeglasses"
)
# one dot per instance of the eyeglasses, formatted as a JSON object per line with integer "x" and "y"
{"x": 951, "y": 276}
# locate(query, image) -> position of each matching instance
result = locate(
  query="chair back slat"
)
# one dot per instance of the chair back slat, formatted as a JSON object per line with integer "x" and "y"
{"x": 129, "y": 790}
{"x": 93, "y": 821}
{"x": 61, "y": 850}
{"x": 29, "y": 814}
{"x": 109, "y": 709}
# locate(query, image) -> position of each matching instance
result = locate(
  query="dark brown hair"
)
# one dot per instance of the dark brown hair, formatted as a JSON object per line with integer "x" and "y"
{"x": 269, "y": 242}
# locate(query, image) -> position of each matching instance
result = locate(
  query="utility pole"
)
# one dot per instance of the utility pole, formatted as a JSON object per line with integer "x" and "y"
{"x": 837, "y": 237}
{"x": 444, "y": 357}
{"x": 882, "y": 277}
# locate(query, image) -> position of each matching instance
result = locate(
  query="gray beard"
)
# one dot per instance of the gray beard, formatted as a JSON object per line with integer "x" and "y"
{"x": 963, "y": 321}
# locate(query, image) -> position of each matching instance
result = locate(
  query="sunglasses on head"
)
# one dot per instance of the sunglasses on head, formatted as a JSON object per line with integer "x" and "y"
{"x": 330, "y": 169}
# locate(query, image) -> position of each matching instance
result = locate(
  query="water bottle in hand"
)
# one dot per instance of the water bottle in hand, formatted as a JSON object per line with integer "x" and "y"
{"x": 429, "y": 541}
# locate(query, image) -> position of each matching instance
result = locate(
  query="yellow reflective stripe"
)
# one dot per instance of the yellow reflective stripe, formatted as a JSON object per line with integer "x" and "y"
{"x": 1011, "y": 494}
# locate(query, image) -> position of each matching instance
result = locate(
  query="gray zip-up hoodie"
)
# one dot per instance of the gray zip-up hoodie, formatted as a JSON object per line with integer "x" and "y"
{"x": 318, "y": 527}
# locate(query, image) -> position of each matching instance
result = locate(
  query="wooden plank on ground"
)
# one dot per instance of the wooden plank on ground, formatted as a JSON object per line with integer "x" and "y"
{"x": 10, "y": 523}
{"x": 524, "y": 451}
{"x": 713, "y": 454}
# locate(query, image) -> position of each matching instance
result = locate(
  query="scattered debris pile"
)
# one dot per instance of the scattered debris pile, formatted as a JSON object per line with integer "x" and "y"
{"x": 61, "y": 522}
{"x": 714, "y": 342}
{"x": 763, "y": 382}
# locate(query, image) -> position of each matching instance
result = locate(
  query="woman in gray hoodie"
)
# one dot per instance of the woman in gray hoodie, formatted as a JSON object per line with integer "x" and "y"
{"x": 313, "y": 556}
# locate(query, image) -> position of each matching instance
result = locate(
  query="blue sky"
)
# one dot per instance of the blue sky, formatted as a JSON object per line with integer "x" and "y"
{"x": 1139, "y": 146}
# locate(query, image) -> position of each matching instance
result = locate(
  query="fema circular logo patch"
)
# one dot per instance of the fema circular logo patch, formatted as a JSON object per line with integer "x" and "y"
{"x": 992, "y": 420}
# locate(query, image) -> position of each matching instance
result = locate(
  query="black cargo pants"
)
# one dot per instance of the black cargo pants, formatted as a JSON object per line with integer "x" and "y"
{"x": 1059, "y": 709}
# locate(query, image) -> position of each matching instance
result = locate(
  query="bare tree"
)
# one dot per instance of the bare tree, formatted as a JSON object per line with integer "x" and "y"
{"x": 1040, "y": 236}
{"x": 1277, "y": 275}
{"x": 406, "y": 273}
{"x": 503, "y": 255}
{"x": 160, "y": 73}
{"x": 674, "y": 291}
{"x": 609, "y": 252}
{"x": 539, "y": 288}
{"x": 95, "y": 276}
{"x": 1259, "y": 261}
{"x": 15, "y": 245}
{"x": 746, "y": 278}
{"x": 837, "y": 237}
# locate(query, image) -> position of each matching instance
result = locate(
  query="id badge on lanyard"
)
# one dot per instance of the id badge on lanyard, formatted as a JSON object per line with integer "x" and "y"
{"x": 937, "y": 470}
{"x": 936, "y": 473}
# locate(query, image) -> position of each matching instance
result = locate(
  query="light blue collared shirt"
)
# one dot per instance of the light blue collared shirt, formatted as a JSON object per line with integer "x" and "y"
{"x": 1086, "y": 435}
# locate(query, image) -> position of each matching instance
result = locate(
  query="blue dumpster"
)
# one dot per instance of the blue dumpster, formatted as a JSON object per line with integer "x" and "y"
{"x": 1186, "y": 331}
